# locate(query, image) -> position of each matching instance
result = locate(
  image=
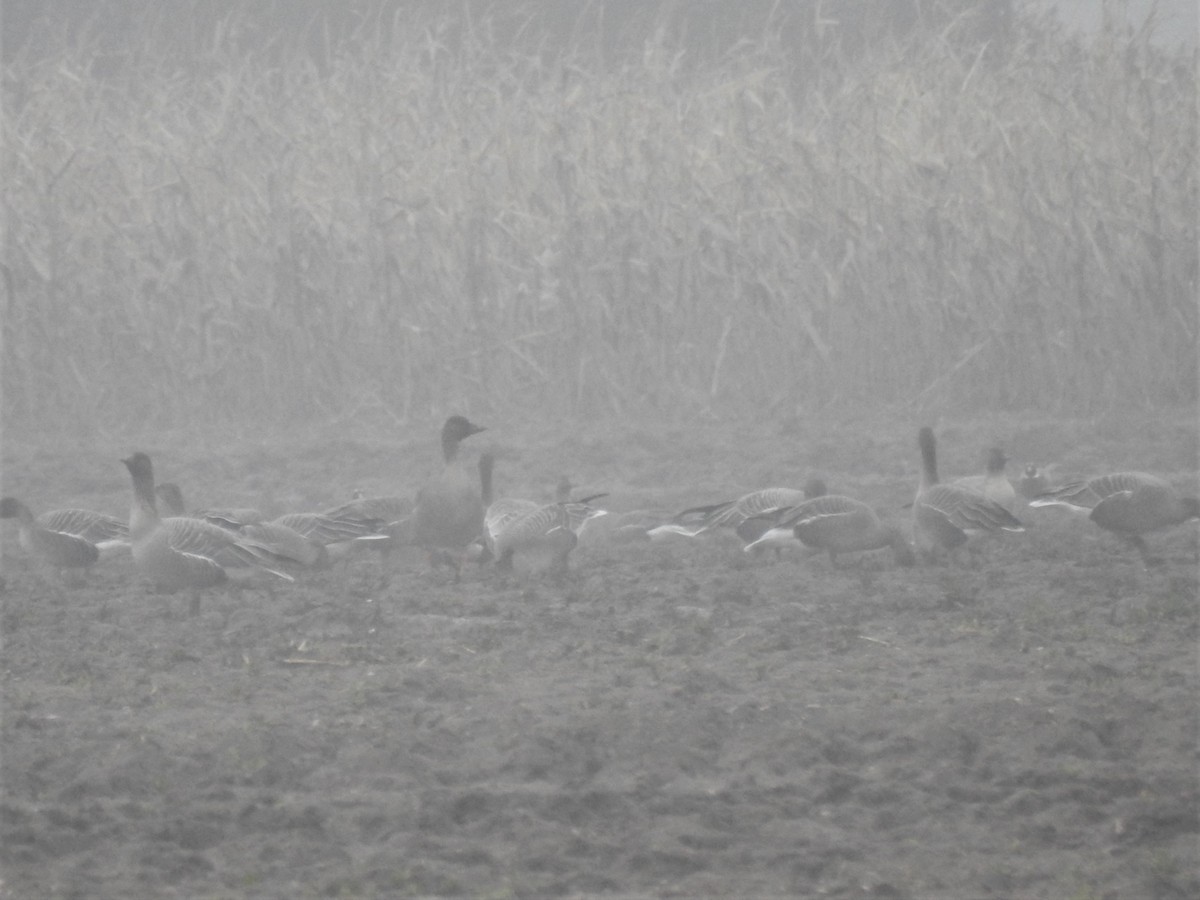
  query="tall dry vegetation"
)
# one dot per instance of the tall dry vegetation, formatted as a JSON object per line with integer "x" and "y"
{"x": 430, "y": 223}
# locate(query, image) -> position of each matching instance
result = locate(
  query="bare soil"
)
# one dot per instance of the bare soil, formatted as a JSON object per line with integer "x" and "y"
{"x": 670, "y": 720}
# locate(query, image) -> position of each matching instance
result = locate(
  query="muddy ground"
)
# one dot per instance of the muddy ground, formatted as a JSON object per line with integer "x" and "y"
{"x": 671, "y": 720}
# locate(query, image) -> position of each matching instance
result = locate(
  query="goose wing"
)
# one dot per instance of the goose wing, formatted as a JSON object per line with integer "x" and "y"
{"x": 98, "y": 528}
{"x": 326, "y": 529}
{"x": 967, "y": 510}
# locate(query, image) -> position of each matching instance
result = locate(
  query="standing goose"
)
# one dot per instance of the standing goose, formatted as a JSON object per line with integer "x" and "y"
{"x": 179, "y": 552}
{"x": 995, "y": 484}
{"x": 1129, "y": 504}
{"x": 54, "y": 546}
{"x": 837, "y": 524}
{"x": 945, "y": 514}
{"x": 449, "y": 513}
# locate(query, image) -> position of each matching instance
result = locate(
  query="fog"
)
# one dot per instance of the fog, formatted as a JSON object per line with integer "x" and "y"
{"x": 616, "y": 22}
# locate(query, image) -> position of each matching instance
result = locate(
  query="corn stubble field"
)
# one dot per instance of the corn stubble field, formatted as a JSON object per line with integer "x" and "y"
{"x": 428, "y": 222}
{"x": 674, "y": 282}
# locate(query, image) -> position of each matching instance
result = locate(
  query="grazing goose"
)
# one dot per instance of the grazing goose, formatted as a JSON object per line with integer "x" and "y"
{"x": 449, "y": 513}
{"x": 53, "y": 546}
{"x": 945, "y": 514}
{"x": 306, "y": 539}
{"x": 756, "y": 526}
{"x": 1129, "y": 504}
{"x": 384, "y": 513}
{"x": 836, "y": 524}
{"x": 286, "y": 544}
{"x": 733, "y": 513}
{"x": 535, "y": 533}
{"x": 994, "y": 485}
{"x": 389, "y": 516}
{"x": 497, "y": 513}
{"x": 551, "y": 531}
{"x": 335, "y": 534}
{"x": 178, "y": 552}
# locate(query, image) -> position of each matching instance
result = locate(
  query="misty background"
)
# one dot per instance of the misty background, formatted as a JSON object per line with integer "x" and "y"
{"x": 278, "y": 211}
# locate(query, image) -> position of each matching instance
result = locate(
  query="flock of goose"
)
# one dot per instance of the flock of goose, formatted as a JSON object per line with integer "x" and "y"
{"x": 455, "y": 518}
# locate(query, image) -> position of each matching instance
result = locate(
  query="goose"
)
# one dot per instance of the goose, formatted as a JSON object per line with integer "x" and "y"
{"x": 551, "y": 531}
{"x": 994, "y": 485}
{"x": 836, "y": 524}
{"x": 54, "y": 546}
{"x": 756, "y": 526}
{"x": 179, "y": 552}
{"x": 387, "y": 510}
{"x": 513, "y": 524}
{"x": 390, "y": 516}
{"x": 448, "y": 515}
{"x": 945, "y": 514}
{"x": 336, "y": 534}
{"x": 108, "y": 533}
{"x": 497, "y": 513}
{"x": 733, "y": 513}
{"x": 1128, "y": 504}
{"x": 310, "y": 540}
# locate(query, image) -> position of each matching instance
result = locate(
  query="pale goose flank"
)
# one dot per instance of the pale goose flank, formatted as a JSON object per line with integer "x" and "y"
{"x": 1129, "y": 504}
{"x": 945, "y": 514}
